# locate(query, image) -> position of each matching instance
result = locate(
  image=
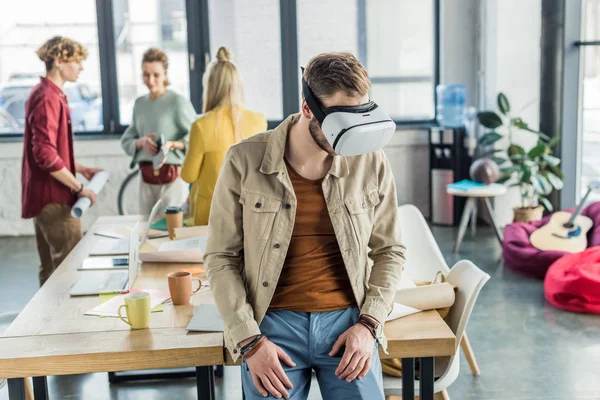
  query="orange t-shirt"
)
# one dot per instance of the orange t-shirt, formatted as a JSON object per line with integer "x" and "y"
{"x": 314, "y": 277}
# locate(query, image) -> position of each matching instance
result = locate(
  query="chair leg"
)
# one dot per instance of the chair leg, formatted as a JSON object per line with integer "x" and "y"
{"x": 465, "y": 345}
{"x": 445, "y": 395}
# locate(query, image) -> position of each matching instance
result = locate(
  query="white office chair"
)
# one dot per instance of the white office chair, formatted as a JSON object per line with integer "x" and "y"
{"x": 465, "y": 275}
{"x": 427, "y": 260}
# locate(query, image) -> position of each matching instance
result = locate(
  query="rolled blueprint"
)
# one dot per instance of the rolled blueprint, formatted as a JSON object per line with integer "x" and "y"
{"x": 95, "y": 185}
{"x": 421, "y": 298}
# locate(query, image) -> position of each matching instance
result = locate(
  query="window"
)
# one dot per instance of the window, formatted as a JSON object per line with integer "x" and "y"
{"x": 21, "y": 33}
{"x": 590, "y": 99}
{"x": 252, "y": 31}
{"x": 270, "y": 39}
{"x": 394, "y": 39}
{"x": 399, "y": 55}
{"x": 139, "y": 27}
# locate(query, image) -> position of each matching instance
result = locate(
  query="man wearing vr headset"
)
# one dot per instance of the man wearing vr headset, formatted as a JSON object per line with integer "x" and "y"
{"x": 304, "y": 254}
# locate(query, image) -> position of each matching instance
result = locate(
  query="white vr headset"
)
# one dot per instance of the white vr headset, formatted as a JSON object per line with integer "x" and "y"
{"x": 351, "y": 130}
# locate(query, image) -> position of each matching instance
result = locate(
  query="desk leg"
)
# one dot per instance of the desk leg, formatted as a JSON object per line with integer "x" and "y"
{"x": 40, "y": 388}
{"x": 16, "y": 389}
{"x": 408, "y": 379}
{"x": 426, "y": 379}
{"x": 205, "y": 383}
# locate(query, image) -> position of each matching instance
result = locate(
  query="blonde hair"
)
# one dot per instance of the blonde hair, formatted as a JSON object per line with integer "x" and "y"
{"x": 157, "y": 55}
{"x": 223, "y": 86}
{"x": 62, "y": 48}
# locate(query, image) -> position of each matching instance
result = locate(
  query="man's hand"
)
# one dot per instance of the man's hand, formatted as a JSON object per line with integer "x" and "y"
{"x": 90, "y": 194}
{"x": 266, "y": 370}
{"x": 89, "y": 172}
{"x": 356, "y": 360}
{"x": 147, "y": 143}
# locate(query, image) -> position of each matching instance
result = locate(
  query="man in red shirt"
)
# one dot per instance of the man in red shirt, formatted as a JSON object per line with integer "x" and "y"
{"x": 49, "y": 185}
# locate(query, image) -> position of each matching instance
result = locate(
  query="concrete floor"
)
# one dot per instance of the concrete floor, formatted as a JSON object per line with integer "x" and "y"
{"x": 527, "y": 350}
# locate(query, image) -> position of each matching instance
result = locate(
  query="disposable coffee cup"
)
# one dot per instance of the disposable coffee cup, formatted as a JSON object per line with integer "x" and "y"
{"x": 174, "y": 216}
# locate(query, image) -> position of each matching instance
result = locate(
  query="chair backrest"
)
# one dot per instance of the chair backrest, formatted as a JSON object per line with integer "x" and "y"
{"x": 468, "y": 280}
{"x": 424, "y": 258}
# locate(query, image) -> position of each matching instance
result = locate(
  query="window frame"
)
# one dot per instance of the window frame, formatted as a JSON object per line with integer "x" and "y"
{"x": 199, "y": 55}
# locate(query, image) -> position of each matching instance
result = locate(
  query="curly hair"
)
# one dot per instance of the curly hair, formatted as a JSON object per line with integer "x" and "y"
{"x": 157, "y": 55}
{"x": 63, "y": 48}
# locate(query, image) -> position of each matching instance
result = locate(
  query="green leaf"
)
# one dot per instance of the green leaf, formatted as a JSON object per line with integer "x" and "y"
{"x": 525, "y": 174}
{"x": 554, "y": 141}
{"x": 514, "y": 149}
{"x": 554, "y": 180}
{"x": 519, "y": 123}
{"x": 503, "y": 104}
{"x": 509, "y": 170}
{"x": 556, "y": 171}
{"x": 537, "y": 151}
{"x": 537, "y": 185}
{"x": 503, "y": 179}
{"x": 546, "y": 186}
{"x": 489, "y": 119}
{"x": 490, "y": 153}
{"x": 499, "y": 160}
{"x": 489, "y": 138}
{"x": 546, "y": 203}
{"x": 551, "y": 160}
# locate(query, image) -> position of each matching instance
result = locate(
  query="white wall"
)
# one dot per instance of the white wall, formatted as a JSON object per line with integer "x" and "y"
{"x": 511, "y": 35}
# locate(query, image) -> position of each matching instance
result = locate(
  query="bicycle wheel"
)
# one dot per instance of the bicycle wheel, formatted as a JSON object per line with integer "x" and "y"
{"x": 128, "y": 201}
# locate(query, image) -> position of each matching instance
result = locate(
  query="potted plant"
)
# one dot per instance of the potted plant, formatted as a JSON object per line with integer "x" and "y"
{"x": 535, "y": 172}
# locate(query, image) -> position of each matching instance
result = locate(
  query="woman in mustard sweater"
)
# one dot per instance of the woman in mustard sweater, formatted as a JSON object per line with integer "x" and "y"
{"x": 225, "y": 122}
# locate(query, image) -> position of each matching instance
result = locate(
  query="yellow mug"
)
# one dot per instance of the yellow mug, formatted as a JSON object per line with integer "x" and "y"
{"x": 137, "y": 306}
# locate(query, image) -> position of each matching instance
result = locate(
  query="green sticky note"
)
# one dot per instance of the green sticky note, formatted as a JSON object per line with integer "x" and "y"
{"x": 104, "y": 297}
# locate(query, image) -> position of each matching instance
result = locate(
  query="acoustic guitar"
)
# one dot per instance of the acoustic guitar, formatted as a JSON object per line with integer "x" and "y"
{"x": 565, "y": 231}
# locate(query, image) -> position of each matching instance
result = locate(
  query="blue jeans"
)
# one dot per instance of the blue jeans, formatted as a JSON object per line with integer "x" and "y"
{"x": 308, "y": 338}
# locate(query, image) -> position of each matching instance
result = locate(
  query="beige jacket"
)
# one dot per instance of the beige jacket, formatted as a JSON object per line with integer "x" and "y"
{"x": 252, "y": 218}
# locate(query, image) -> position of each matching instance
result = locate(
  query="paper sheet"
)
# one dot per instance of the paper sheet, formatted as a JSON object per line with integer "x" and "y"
{"x": 411, "y": 300}
{"x": 206, "y": 319}
{"x": 190, "y": 250}
{"x": 190, "y": 232}
{"x": 95, "y": 185}
{"x": 184, "y": 244}
{"x": 109, "y": 303}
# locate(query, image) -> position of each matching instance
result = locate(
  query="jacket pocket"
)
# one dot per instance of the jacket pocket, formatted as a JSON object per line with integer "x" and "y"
{"x": 361, "y": 211}
{"x": 259, "y": 214}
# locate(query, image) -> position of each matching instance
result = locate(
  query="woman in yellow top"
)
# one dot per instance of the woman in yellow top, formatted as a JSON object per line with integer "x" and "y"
{"x": 224, "y": 122}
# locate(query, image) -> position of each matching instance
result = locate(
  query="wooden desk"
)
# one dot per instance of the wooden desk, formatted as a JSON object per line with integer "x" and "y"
{"x": 51, "y": 336}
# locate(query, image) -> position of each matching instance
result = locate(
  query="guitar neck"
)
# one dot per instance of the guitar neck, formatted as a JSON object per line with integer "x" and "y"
{"x": 579, "y": 208}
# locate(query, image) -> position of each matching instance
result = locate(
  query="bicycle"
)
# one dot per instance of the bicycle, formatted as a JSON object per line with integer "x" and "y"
{"x": 127, "y": 199}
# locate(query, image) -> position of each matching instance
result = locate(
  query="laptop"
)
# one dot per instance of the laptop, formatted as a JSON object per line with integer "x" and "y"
{"x": 116, "y": 247}
{"x": 99, "y": 282}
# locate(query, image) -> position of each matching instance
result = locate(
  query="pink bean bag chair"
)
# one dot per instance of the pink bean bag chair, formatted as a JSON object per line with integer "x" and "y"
{"x": 573, "y": 282}
{"x": 521, "y": 257}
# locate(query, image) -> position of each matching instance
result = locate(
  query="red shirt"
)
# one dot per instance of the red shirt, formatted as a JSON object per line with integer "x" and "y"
{"x": 47, "y": 147}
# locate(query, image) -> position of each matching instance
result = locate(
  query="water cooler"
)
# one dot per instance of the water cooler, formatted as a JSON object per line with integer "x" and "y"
{"x": 449, "y": 162}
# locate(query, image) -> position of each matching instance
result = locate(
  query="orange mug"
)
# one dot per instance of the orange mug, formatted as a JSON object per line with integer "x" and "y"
{"x": 180, "y": 287}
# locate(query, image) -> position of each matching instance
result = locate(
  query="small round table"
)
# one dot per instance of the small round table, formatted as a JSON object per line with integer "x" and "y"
{"x": 470, "y": 211}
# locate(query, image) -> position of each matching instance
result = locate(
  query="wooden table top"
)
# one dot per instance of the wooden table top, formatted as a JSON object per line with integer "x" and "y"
{"x": 51, "y": 336}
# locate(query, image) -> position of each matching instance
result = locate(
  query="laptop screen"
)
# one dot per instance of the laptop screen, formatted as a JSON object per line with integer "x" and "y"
{"x": 134, "y": 254}
{"x": 151, "y": 219}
